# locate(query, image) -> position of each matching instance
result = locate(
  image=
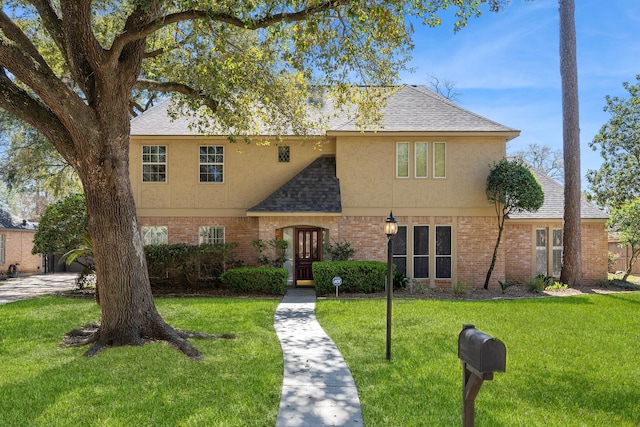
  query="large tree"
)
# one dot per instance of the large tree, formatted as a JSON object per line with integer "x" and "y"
{"x": 544, "y": 158}
{"x": 69, "y": 68}
{"x": 617, "y": 181}
{"x": 571, "y": 273}
{"x": 511, "y": 187}
{"x": 625, "y": 220}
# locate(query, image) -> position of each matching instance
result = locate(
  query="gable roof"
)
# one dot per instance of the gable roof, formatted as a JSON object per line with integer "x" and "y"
{"x": 411, "y": 108}
{"x": 13, "y": 222}
{"x": 553, "y": 206}
{"x": 315, "y": 189}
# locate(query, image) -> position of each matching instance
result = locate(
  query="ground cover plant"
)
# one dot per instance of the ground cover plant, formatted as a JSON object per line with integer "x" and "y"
{"x": 571, "y": 361}
{"x": 238, "y": 382}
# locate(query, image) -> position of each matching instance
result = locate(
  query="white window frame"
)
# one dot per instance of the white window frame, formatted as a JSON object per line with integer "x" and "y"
{"x": 435, "y": 159}
{"x": 211, "y": 234}
{"x": 438, "y": 256}
{"x": 152, "y": 162}
{"x": 405, "y": 144}
{"x": 3, "y": 244}
{"x": 209, "y": 163}
{"x": 154, "y": 234}
{"x": 404, "y": 256}
{"x": 425, "y": 256}
{"x": 426, "y": 159}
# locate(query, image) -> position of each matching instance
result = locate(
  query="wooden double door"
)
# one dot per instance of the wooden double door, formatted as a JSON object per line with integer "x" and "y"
{"x": 308, "y": 249}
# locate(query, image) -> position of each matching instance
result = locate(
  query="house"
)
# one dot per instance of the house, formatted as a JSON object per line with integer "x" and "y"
{"x": 428, "y": 164}
{"x": 16, "y": 242}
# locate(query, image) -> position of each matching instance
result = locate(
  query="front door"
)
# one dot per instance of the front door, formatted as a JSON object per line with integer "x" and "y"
{"x": 308, "y": 246}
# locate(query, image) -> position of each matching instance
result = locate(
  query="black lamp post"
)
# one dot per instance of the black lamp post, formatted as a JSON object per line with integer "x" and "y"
{"x": 390, "y": 228}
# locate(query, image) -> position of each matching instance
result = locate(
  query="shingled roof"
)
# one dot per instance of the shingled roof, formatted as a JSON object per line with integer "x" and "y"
{"x": 10, "y": 221}
{"x": 411, "y": 108}
{"x": 553, "y": 206}
{"x": 314, "y": 189}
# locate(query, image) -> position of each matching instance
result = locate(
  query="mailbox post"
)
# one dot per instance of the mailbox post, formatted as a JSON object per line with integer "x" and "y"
{"x": 481, "y": 356}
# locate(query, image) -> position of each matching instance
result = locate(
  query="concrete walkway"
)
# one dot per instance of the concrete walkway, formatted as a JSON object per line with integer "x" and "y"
{"x": 318, "y": 389}
{"x": 32, "y": 286}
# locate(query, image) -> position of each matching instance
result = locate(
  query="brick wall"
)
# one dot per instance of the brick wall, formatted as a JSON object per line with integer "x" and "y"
{"x": 476, "y": 238}
{"x": 518, "y": 246}
{"x": 18, "y": 245}
{"x": 594, "y": 253}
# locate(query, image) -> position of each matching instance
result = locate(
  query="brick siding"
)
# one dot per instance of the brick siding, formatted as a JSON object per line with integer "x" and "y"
{"x": 18, "y": 245}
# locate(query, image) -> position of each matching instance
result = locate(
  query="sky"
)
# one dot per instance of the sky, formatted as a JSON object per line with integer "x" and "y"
{"x": 505, "y": 66}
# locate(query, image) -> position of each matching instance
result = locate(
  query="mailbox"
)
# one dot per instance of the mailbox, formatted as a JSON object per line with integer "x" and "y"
{"x": 481, "y": 352}
{"x": 481, "y": 355}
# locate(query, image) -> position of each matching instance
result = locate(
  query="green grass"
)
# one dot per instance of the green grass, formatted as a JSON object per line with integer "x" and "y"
{"x": 237, "y": 384}
{"x": 571, "y": 361}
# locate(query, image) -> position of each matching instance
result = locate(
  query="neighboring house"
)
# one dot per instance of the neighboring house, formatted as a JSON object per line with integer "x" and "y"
{"x": 428, "y": 164}
{"x": 16, "y": 242}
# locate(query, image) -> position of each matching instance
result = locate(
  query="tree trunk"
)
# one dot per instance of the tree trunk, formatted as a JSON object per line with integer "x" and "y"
{"x": 571, "y": 273}
{"x": 495, "y": 253}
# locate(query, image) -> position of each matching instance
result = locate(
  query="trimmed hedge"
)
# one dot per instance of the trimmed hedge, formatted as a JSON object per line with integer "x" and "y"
{"x": 272, "y": 280}
{"x": 357, "y": 276}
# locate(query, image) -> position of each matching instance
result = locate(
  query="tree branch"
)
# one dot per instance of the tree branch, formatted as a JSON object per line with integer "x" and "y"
{"x": 52, "y": 22}
{"x": 19, "y": 103}
{"x": 15, "y": 34}
{"x": 249, "y": 24}
{"x": 179, "y": 88}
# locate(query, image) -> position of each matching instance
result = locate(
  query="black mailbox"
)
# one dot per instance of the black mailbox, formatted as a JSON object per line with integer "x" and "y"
{"x": 481, "y": 352}
{"x": 481, "y": 356}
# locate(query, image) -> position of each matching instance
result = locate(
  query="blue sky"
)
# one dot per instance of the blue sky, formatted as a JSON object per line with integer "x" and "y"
{"x": 505, "y": 66}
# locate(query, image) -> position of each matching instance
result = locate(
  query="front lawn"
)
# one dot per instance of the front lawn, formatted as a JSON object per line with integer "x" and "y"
{"x": 237, "y": 384}
{"x": 571, "y": 361}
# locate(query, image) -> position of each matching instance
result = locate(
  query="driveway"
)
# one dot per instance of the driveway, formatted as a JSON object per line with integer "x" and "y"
{"x": 36, "y": 285}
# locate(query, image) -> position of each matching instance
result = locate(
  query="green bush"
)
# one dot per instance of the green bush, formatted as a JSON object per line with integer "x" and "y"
{"x": 357, "y": 276}
{"x": 539, "y": 283}
{"x": 182, "y": 264}
{"x": 272, "y": 280}
{"x": 339, "y": 251}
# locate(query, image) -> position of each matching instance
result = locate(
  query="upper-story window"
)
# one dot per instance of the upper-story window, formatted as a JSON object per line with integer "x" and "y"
{"x": 154, "y": 163}
{"x": 211, "y": 163}
{"x": 439, "y": 160}
{"x": 414, "y": 156}
{"x": 284, "y": 154}
{"x": 402, "y": 160}
{"x": 210, "y": 234}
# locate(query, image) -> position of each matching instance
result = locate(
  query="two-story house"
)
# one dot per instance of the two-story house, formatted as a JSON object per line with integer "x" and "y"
{"x": 428, "y": 163}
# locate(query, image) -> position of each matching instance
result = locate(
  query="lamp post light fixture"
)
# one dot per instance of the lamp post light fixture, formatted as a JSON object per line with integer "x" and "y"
{"x": 390, "y": 229}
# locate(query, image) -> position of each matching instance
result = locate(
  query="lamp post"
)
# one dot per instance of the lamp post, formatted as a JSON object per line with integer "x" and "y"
{"x": 390, "y": 228}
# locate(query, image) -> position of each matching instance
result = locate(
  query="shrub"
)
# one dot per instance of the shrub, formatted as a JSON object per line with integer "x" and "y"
{"x": 339, "y": 251}
{"x": 557, "y": 286}
{"x": 272, "y": 280}
{"x": 461, "y": 287}
{"x": 539, "y": 283}
{"x": 276, "y": 247}
{"x": 181, "y": 264}
{"x": 612, "y": 258}
{"x": 400, "y": 280}
{"x": 357, "y": 276}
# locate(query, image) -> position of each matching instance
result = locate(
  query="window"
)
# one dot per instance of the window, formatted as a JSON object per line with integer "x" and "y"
{"x": 547, "y": 256}
{"x": 421, "y": 252}
{"x": 154, "y": 235}
{"x": 402, "y": 160}
{"x": 439, "y": 160}
{"x": 556, "y": 263}
{"x": 283, "y": 154}
{"x": 443, "y": 252}
{"x": 154, "y": 163}
{"x": 211, "y": 163}
{"x": 2, "y": 244}
{"x": 421, "y": 154}
{"x": 211, "y": 234}
{"x": 400, "y": 249}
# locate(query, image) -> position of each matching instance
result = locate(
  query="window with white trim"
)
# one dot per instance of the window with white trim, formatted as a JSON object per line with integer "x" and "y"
{"x": 154, "y": 163}
{"x": 439, "y": 160}
{"x": 443, "y": 252}
{"x": 400, "y": 249}
{"x": 420, "y": 251}
{"x": 556, "y": 262}
{"x": 2, "y": 246}
{"x": 549, "y": 253}
{"x": 402, "y": 160}
{"x": 210, "y": 234}
{"x": 211, "y": 163}
{"x": 154, "y": 234}
{"x": 421, "y": 154}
